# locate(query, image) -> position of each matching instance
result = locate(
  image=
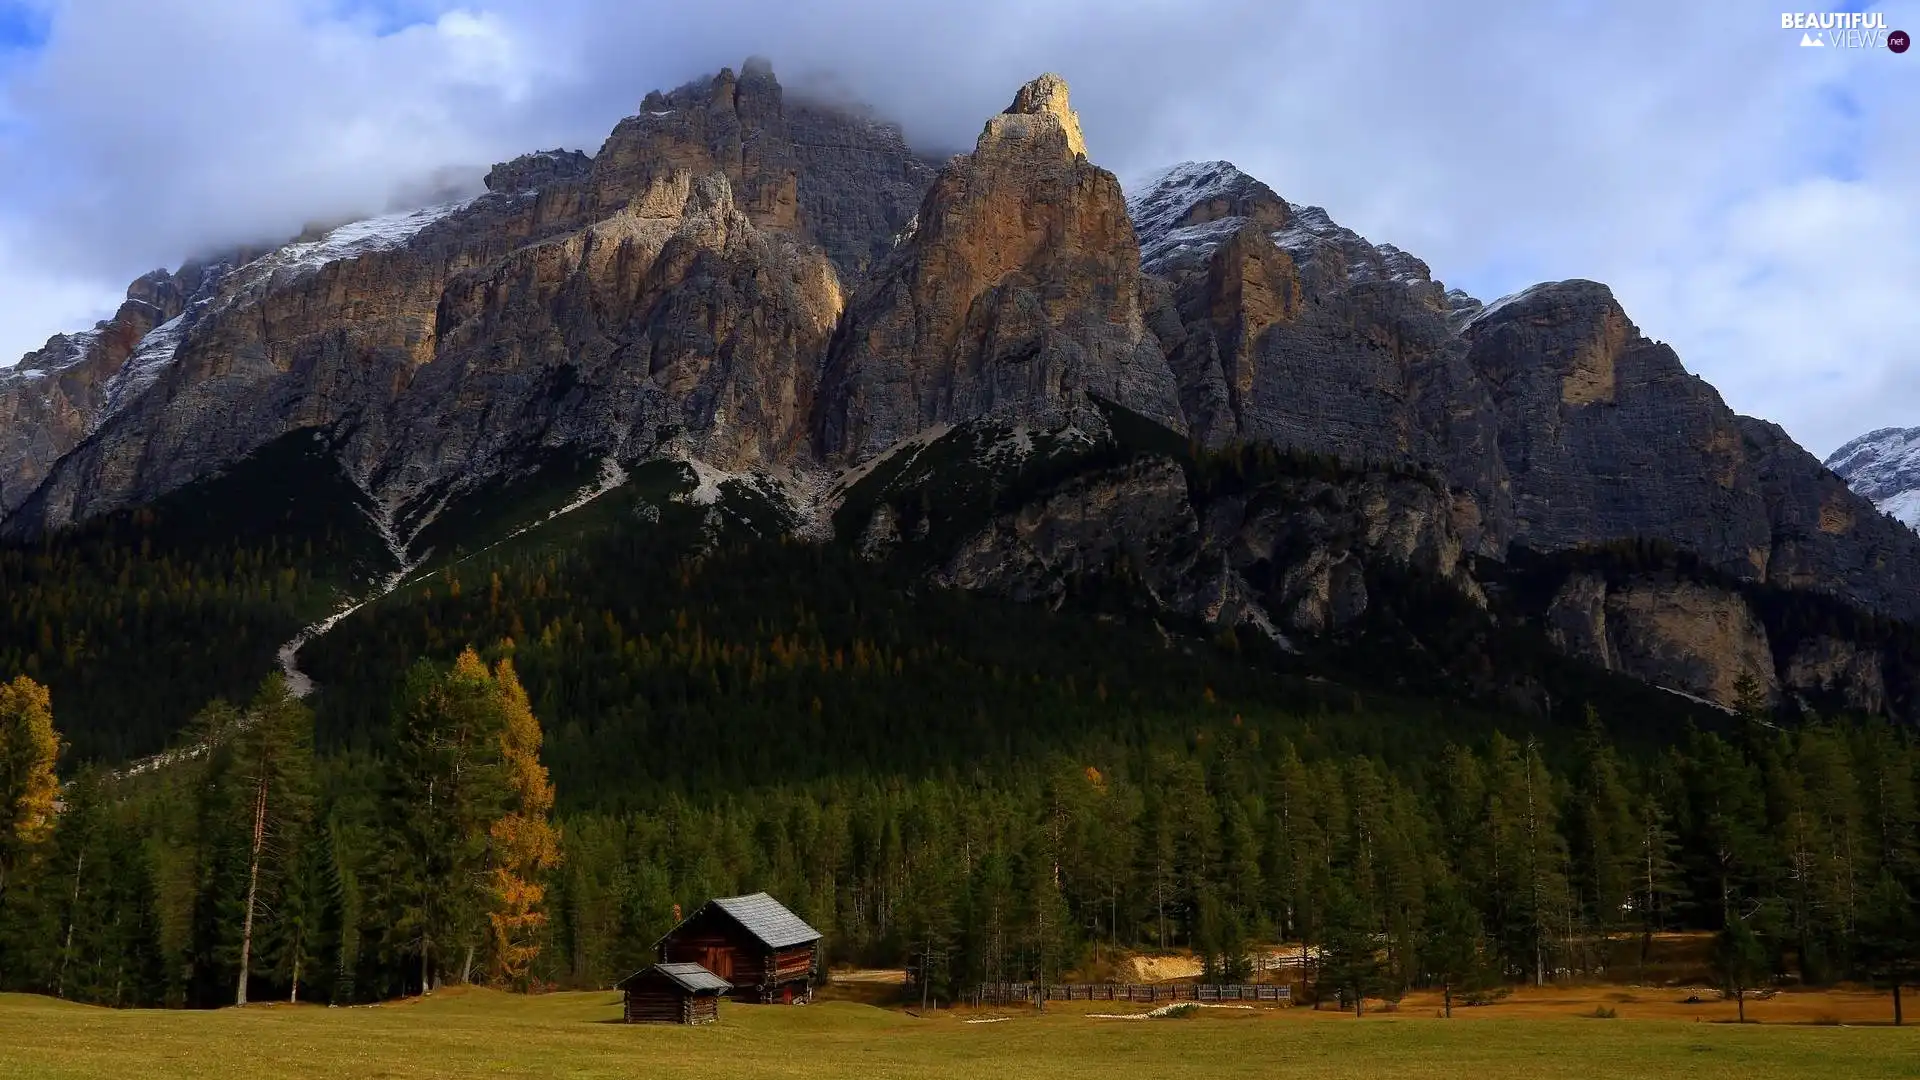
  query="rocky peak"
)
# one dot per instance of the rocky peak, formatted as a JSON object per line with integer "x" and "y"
{"x": 1044, "y": 97}
{"x": 59, "y": 394}
{"x": 1184, "y": 212}
{"x": 1019, "y": 293}
{"x": 1884, "y": 466}
{"x": 1574, "y": 330}
{"x": 735, "y": 125}
{"x": 833, "y": 173}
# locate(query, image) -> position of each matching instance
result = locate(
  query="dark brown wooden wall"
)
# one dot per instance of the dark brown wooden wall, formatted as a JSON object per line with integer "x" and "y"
{"x": 758, "y": 974}
{"x": 663, "y": 1003}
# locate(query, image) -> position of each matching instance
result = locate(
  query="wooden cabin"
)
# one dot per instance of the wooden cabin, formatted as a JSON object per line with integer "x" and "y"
{"x": 766, "y": 953}
{"x": 673, "y": 994}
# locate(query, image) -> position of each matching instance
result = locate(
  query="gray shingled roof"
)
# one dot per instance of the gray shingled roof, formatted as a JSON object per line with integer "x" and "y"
{"x": 768, "y": 919}
{"x": 691, "y": 977}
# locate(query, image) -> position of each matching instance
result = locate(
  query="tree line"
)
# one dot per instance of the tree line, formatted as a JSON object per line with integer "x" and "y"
{"x": 258, "y": 869}
{"x": 246, "y": 867}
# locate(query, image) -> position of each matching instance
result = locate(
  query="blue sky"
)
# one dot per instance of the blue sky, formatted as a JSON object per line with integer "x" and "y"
{"x": 1753, "y": 203}
{"x": 22, "y": 26}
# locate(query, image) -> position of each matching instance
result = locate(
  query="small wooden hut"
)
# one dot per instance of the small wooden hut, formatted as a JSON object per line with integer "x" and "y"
{"x": 673, "y": 994}
{"x": 766, "y": 953}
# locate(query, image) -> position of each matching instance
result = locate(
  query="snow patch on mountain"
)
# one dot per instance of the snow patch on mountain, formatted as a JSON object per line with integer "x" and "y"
{"x": 1159, "y": 202}
{"x": 1476, "y": 314}
{"x": 351, "y": 241}
{"x": 1163, "y": 207}
{"x": 150, "y": 359}
{"x": 1884, "y": 466}
{"x": 1312, "y": 233}
{"x": 1162, "y": 198}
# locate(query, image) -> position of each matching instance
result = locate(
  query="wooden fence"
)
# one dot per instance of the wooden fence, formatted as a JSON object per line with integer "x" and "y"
{"x": 1031, "y": 993}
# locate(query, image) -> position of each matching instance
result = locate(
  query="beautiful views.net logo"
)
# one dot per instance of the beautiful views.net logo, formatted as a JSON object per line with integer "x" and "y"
{"x": 1845, "y": 30}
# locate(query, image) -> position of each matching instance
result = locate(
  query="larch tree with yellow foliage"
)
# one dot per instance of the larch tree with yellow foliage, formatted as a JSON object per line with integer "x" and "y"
{"x": 525, "y": 844}
{"x": 28, "y": 790}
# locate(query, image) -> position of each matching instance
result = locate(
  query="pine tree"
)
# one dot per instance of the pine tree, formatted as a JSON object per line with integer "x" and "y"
{"x": 1603, "y": 835}
{"x": 219, "y": 844}
{"x": 1528, "y": 882}
{"x": 446, "y": 790}
{"x": 525, "y": 844}
{"x": 1349, "y": 954}
{"x": 1658, "y": 888}
{"x": 1740, "y": 959}
{"x": 1454, "y": 949}
{"x": 1889, "y": 944}
{"x": 274, "y": 760}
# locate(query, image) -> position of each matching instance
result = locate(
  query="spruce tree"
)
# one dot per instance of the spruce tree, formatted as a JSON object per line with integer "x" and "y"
{"x": 273, "y": 760}
{"x": 445, "y": 791}
{"x": 1349, "y": 964}
{"x": 1740, "y": 960}
{"x": 1603, "y": 836}
{"x": 1454, "y": 948}
{"x": 1889, "y": 941}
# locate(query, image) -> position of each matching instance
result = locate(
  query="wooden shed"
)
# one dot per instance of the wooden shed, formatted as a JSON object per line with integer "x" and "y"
{"x": 766, "y": 953}
{"x": 673, "y": 994}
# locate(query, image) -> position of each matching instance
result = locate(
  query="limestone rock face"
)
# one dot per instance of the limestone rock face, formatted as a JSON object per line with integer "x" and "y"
{"x": 323, "y": 334}
{"x": 1604, "y": 435}
{"x": 1304, "y": 546}
{"x": 1685, "y": 636}
{"x": 1140, "y": 516}
{"x": 1553, "y": 420}
{"x": 1291, "y": 556}
{"x": 1017, "y": 293}
{"x": 531, "y": 172}
{"x": 1295, "y": 331}
{"x": 1696, "y": 639}
{"x": 58, "y": 395}
{"x": 667, "y": 287}
{"x": 859, "y": 183}
{"x": 734, "y": 125}
{"x": 1840, "y": 670}
{"x": 687, "y": 317}
{"x": 1825, "y": 536}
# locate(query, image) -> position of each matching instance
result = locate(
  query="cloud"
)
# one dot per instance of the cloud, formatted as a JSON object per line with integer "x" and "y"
{"x": 1745, "y": 197}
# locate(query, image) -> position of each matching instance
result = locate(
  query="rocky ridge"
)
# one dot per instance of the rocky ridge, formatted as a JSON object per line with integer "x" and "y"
{"x": 758, "y": 285}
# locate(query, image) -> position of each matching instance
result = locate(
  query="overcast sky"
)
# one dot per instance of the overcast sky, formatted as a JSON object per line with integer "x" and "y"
{"x": 1753, "y": 202}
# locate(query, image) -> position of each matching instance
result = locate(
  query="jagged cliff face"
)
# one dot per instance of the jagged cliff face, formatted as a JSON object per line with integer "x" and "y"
{"x": 1603, "y": 434}
{"x": 782, "y": 286}
{"x": 1556, "y": 423}
{"x": 1017, "y": 293}
{"x": 1681, "y": 635}
{"x": 678, "y": 287}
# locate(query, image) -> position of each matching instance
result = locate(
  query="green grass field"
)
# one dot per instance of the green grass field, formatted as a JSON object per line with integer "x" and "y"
{"x": 483, "y": 1034}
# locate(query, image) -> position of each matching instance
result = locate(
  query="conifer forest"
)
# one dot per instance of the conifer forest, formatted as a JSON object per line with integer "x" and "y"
{"x": 516, "y": 767}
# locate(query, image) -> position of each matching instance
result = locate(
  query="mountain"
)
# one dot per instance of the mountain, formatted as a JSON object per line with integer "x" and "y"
{"x": 1006, "y": 375}
{"x": 1884, "y": 466}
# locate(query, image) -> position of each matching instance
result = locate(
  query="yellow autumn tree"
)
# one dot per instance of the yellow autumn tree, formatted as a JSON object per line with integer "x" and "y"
{"x": 28, "y": 790}
{"x": 525, "y": 844}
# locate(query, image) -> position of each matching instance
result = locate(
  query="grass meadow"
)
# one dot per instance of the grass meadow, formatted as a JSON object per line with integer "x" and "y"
{"x": 472, "y": 1034}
